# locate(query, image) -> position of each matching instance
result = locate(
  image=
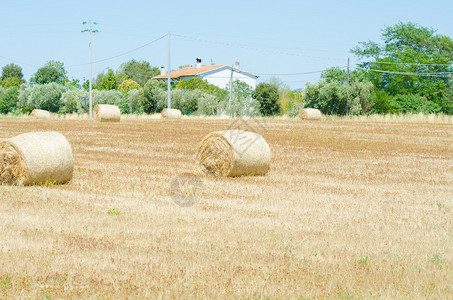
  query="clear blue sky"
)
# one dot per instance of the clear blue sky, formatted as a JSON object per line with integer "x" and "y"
{"x": 266, "y": 37}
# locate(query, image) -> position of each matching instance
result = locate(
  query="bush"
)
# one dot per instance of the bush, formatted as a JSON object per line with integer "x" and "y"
{"x": 414, "y": 104}
{"x": 8, "y": 99}
{"x": 113, "y": 97}
{"x": 196, "y": 83}
{"x": 237, "y": 107}
{"x": 267, "y": 96}
{"x": 134, "y": 99}
{"x": 11, "y": 81}
{"x": 185, "y": 100}
{"x": 155, "y": 96}
{"x": 208, "y": 104}
{"x": 42, "y": 96}
{"x": 128, "y": 85}
{"x": 72, "y": 101}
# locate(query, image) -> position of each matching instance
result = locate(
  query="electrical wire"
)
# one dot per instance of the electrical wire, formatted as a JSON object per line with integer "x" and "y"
{"x": 19, "y": 62}
{"x": 438, "y": 74}
{"x": 404, "y": 63}
{"x": 124, "y": 53}
{"x": 291, "y": 74}
{"x": 250, "y": 48}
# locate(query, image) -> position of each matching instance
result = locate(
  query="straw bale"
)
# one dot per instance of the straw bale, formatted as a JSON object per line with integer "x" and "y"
{"x": 234, "y": 153}
{"x": 310, "y": 114}
{"x": 40, "y": 114}
{"x": 171, "y": 113}
{"x": 35, "y": 158}
{"x": 106, "y": 113}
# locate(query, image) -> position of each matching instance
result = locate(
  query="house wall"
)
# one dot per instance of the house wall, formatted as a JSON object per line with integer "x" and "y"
{"x": 222, "y": 77}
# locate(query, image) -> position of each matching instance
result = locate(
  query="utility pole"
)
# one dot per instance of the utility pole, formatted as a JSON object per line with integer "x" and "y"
{"x": 168, "y": 76}
{"x": 231, "y": 91}
{"x": 347, "y": 80}
{"x": 89, "y": 45}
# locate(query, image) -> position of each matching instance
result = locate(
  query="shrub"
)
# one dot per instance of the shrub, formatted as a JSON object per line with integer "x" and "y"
{"x": 155, "y": 96}
{"x": 11, "y": 81}
{"x": 41, "y": 96}
{"x": 185, "y": 100}
{"x": 8, "y": 99}
{"x": 267, "y": 96}
{"x": 196, "y": 83}
{"x": 128, "y": 85}
{"x": 208, "y": 104}
{"x": 113, "y": 97}
{"x": 134, "y": 100}
{"x": 241, "y": 107}
{"x": 415, "y": 104}
{"x": 72, "y": 101}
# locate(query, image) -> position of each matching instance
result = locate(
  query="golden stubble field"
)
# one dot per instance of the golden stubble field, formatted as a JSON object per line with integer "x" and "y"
{"x": 348, "y": 209}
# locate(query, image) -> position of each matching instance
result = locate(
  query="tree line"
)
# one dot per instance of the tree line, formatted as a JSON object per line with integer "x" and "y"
{"x": 410, "y": 71}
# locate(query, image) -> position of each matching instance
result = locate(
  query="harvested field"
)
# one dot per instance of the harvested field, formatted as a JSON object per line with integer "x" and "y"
{"x": 348, "y": 209}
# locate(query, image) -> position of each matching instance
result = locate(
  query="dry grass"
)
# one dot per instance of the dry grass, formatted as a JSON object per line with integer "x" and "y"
{"x": 348, "y": 209}
{"x": 401, "y": 118}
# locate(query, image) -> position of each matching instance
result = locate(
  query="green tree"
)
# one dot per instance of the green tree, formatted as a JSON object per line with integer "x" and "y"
{"x": 332, "y": 97}
{"x": 8, "y": 99}
{"x": 138, "y": 71}
{"x": 186, "y": 100}
{"x": 42, "y": 96}
{"x": 52, "y": 71}
{"x": 128, "y": 85}
{"x": 267, "y": 96}
{"x": 155, "y": 96}
{"x": 336, "y": 74}
{"x": 11, "y": 76}
{"x": 202, "y": 85}
{"x": 113, "y": 97}
{"x": 410, "y": 51}
{"x": 11, "y": 81}
{"x": 72, "y": 101}
{"x": 134, "y": 99}
{"x": 108, "y": 82}
{"x": 241, "y": 102}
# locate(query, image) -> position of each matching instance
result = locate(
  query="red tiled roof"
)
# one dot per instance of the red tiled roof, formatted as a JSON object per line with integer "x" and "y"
{"x": 189, "y": 71}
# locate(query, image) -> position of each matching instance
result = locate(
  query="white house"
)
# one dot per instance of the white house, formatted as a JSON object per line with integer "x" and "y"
{"x": 219, "y": 75}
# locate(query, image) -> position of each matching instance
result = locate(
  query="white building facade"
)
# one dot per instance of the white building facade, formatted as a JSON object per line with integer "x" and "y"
{"x": 218, "y": 75}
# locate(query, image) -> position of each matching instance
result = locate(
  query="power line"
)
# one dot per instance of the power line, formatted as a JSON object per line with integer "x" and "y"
{"x": 250, "y": 48}
{"x": 438, "y": 74}
{"x": 19, "y": 62}
{"x": 291, "y": 74}
{"x": 124, "y": 53}
{"x": 404, "y": 63}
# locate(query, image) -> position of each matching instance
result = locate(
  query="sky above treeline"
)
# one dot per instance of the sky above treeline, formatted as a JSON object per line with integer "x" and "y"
{"x": 291, "y": 40}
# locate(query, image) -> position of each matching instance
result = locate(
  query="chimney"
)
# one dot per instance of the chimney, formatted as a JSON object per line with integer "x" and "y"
{"x": 198, "y": 65}
{"x": 236, "y": 65}
{"x": 162, "y": 70}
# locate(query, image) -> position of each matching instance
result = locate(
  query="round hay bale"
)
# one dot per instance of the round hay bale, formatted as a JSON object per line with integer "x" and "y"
{"x": 310, "y": 114}
{"x": 40, "y": 114}
{"x": 106, "y": 113}
{"x": 34, "y": 158}
{"x": 234, "y": 153}
{"x": 171, "y": 113}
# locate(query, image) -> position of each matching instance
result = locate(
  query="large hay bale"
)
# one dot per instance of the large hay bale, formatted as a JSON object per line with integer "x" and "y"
{"x": 40, "y": 114}
{"x": 310, "y": 114}
{"x": 34, "y": 158}
{"x": 106, "y": 113}
{"x": 171, "y": 113}
{"x": 234, "y": 153}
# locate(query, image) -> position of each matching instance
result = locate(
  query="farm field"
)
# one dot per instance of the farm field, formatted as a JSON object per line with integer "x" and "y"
{"x": 348, "y": 209}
